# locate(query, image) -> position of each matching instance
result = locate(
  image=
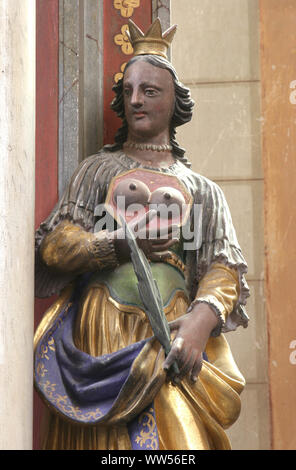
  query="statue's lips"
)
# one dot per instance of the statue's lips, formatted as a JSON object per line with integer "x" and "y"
{"x": 139, "y": 115}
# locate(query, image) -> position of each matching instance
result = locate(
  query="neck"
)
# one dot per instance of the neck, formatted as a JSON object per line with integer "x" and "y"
{"x": 161, "y": 138}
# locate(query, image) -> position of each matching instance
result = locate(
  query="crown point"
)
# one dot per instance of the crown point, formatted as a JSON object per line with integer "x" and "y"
{"x": 134, "y": 31}
{"x": 155, "y": 30}
{"x": 169, "y": 34}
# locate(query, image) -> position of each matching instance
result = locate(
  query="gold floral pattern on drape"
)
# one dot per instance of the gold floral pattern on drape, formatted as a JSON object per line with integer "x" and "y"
{"x": 149, "y": 431}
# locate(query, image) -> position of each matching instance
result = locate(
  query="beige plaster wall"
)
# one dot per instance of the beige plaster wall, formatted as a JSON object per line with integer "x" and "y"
{"x": 216, "y": 54}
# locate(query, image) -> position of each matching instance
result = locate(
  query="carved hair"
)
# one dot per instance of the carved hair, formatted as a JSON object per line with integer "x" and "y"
{"x": 182, "y": 113}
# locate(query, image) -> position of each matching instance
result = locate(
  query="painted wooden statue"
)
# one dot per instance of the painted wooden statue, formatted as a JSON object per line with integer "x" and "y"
{"x": 104, "y": 375}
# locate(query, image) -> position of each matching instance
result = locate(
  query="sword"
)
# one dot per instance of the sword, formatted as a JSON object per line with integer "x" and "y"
{"x": 149, "y": 294}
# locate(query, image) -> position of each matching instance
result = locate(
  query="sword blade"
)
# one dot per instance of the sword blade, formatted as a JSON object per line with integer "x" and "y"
{"x": 149, "y": 293}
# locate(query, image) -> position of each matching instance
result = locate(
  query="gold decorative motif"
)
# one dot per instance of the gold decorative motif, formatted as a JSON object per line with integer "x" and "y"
{"x": 119, "y": 75}
{"x": 44, "y": 350}
{"x": 62, "y": 402}
{"x": 147, "y": 420}
{"x": 175, "y": 261}
{"x": 64, "y": 405}
{"x": 41, "y": 371}
{"x": 123, "y": 41}
{"x": 126, "y": 7}
{"x": 48, "y": 387}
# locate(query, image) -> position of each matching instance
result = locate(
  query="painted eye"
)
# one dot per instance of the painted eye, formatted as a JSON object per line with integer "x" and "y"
{"x": 150, "y": 92}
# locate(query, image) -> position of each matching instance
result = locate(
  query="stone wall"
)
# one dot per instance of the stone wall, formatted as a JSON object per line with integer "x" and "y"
{"x": 216, "y": 54}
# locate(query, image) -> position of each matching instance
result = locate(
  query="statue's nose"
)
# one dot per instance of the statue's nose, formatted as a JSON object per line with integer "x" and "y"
{"x": 136, "y": 98}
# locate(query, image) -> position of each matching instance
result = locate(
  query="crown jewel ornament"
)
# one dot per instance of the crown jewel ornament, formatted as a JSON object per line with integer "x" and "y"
{"x": 154, "y": 41}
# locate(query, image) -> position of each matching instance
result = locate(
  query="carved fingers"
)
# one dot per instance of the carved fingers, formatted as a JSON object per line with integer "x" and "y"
{"x": 155, "y": 242}
{"x": 187, "y": 347}
{"x": 189, "y": 360}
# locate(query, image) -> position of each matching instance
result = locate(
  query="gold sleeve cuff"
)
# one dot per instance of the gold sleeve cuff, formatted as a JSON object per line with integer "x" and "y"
{"x": 69, "y": 248}
{"x": 220, "y": 289}
{"x": 103, "y": 250}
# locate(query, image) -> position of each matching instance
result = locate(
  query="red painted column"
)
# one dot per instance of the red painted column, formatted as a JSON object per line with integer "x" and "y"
{"x": 46, "y": 107}
{"x": 47, "y": 45}
{"x": 118, "y": 51}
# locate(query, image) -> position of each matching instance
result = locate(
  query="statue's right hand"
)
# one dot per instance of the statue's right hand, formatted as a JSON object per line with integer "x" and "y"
{"x": 155, "y": 244}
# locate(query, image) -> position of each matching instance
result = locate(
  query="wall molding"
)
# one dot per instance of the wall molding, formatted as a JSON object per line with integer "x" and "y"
{"x": 80, "y": 83}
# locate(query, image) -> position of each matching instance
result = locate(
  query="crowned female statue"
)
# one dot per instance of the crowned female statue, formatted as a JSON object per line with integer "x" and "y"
{"x": 104, "y": 375}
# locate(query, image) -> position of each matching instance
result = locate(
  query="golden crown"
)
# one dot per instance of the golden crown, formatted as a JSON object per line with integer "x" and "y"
{"x": 154, "y": 41}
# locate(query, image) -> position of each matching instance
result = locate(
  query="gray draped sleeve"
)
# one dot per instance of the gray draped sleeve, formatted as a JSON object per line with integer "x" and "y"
{"x": 87, "y": 188}
{"x": 217, "y": 242}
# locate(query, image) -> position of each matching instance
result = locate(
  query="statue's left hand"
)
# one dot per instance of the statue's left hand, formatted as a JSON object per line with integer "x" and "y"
{"x": 192, "y": 333}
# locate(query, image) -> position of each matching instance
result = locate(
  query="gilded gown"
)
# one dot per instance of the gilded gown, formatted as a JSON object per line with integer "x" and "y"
{"x": 98, "y": 316}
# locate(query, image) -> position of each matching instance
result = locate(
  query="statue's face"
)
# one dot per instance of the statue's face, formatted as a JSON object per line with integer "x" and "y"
{"x": 149, "y": 100}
